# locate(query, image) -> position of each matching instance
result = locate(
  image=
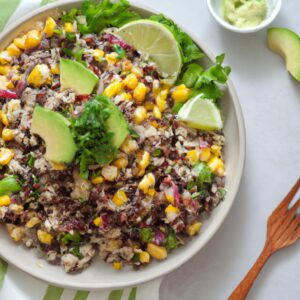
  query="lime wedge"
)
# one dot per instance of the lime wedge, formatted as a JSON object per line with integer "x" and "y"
{"x": 201, "y": 114}
{"x": 152, "y": 39}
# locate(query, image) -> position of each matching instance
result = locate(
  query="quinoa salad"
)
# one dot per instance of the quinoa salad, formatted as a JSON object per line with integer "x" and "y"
{"x": 95, "y": 160}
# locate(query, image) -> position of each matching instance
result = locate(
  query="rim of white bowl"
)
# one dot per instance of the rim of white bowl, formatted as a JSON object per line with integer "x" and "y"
{"x": 263, "y": 24}
{"x": 197, "y": 245}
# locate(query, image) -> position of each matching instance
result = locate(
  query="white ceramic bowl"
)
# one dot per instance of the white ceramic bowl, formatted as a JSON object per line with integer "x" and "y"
{"x": 214, "y": 7}
{"x": 101, "y": 275}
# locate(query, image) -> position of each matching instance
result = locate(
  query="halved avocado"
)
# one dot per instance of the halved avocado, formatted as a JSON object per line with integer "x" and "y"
{"x": 76, "y": 77}
{"x": 116, "y": 122}
{"x": 287, "y": 44}
{"x": 53, "y": 128}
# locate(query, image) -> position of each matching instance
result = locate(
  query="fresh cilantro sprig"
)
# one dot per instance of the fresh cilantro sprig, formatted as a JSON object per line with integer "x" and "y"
{"x": 92, "y": 136}
{"x": 206, "y": 82}
{"x": 101, "y": 15}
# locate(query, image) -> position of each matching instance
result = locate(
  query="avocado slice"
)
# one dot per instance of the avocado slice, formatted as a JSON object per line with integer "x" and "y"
{"x": 76, "y": 77}
{"x": 53, "y": 128}
{"x": 9, "y": 185}
{"x": 116, "y": 122}
{"x": 287, "y": 44}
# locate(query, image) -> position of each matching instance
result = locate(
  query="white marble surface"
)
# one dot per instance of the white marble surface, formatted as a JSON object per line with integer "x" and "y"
{"x": 270, "y": 99}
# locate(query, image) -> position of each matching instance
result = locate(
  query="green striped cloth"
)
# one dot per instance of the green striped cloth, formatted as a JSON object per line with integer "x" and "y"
{"x": 15, "y": 284}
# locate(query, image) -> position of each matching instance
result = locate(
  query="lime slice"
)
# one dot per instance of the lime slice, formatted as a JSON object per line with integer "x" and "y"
{"x": 201, "y": 114}
{"x": 152, "y": 39}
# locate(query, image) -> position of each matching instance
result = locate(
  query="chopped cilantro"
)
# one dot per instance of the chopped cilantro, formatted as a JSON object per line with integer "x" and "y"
{"x": 146, "y": 234}
{"x": 121, "y": 52}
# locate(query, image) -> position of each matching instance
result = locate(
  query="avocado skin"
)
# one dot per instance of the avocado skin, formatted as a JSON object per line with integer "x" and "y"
{"x": 116, "y": 122}
{"x": 53, "y": 128}
{"x": 76, "y": 77}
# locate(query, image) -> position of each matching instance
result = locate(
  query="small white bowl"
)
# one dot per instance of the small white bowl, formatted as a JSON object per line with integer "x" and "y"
{"x": 215, "y": 8}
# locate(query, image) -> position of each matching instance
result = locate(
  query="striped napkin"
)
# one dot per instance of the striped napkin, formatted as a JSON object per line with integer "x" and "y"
{"x": 17, "y": 285}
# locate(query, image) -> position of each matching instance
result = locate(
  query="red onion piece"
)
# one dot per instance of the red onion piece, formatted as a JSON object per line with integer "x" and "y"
{"x": 8, "y": 94}
{"x": 115, "y": 40}
{"x": 177, "y": 197}
{"x": 203, "y": 144}
{"x": 21, "y": 86}
{"x": 159, "y": 237}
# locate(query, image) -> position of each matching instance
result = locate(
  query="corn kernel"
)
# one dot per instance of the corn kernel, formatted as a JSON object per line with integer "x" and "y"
{"x": 140, "y": 114}
{"x": 215, "y": 163}
{"x": 44, "y": 237}
{"x": 110, "y": 173}
{"x": 169, "y": 197}
{"x": 149, "y": 105}
{"x": 171, "y": 212}
{"x": 113, "y": 89}
{"x": 32, "y": 222}
{"x": 181, "y": 93}
{"x": 7, "y": 134}
{"x": 131, "y": 81}
{"x": 161, "y": 100}
{"x": 154, "y": 124}
{"x": 129, "y": 145}
{"x": 68, "y": 27}
{"x": 205, "y": 154}
{"x": 137, "y": 72}
{"x": 6, "y": 156}
{"x": 10, "y": 85}
{"x": 140, "y": 92}
{"x": 117, "y": 265}
{"x": 98, "y": 221}
{"x": 112, "y": 58}
{"x": 144, "y": 161}
{"x": 13, "y": 50}
{"x": 20, "y": 42}
{"x": 50, "y": 26}
{"x": 15, "y": 232}
{"x": 58, "y": 166}
{"x": 3, "y": 118}
{"x": 33, "y": 39}
{"x": 156, "y": 112}
{"x": 144, "y": 257}
{"x": 121, "y": 163}
{"x": 16, "y": 208}
{"x": 193, "y": 228}
{"x": 193, "y": 156}
{"x": 127, "y": 65}
{"x": 216, "y": 150}
{"x": 39, "y": 75}
{"x": 54, "y": 68}
{"x": 5, "y": 58}
{"x": 4, "y": 200}
{"x": 4, "y": 70}
{"x": 220, "y": 171}
{"x": 151, "y": 192}
{"x": 126, "y": 96}
{"x": 157, "y": 252}
{"x": 98, "y": 54}
{"x": 120, "y": 198}
{"x": 156, "y": 88}
{"x": 147, "y": 183}
{"x": 97, "y": 180}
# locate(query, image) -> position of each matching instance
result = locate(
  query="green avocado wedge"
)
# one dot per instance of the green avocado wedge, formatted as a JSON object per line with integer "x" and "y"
{"x": 76, "y": 77}
{"x": 116, "y": 122}
{"x": 53, "y": 128}
{"x": 286, "y": 43}
{"x": 9, "y": 185}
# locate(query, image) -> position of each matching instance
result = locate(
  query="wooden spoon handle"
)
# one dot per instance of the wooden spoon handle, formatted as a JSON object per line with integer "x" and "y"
{"x": 242, "y": 290}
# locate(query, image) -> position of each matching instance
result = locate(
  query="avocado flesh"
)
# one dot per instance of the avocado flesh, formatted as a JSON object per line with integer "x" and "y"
{"x": 287, "y": 44}
{"x": 76, "y": 77}
{"x": 53, "y": 128}
{"x": 116, "y": 123}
